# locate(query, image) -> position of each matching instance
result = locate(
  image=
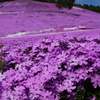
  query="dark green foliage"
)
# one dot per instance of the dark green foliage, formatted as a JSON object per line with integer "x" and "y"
{"x": 1, "y": 64}
{"x": 63, "y": 95}
{"x": 49, "y": 1}
{"x": 5, "y": 0}
{"x": 65, "y": 4}
{"x": 27, "y": 50}
{"x": 89, "y": 7}
{"x": 60, "y": 3}
{"x": 85, "y": 6}
{"x": 46, "y": 0}
{"x": 84, "y": 91}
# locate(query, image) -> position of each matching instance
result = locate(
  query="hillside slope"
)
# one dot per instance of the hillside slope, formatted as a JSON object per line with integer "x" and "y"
{"x": 27, "y": 15}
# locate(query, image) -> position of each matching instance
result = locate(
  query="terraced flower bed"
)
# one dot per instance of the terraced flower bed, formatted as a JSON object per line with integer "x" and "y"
{"x": 65, "y": 68}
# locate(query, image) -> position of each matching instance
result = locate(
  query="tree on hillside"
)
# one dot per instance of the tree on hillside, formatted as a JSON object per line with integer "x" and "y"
{"x": 5, "y": 0}
{"x": 61, "y": 3}
{"x": 51, "y": 1}
{"x": 42, "y": 0}
{"x": 85, "y": 6}
{"x": 89, "y": 7}
{"x": 65, "y": 3}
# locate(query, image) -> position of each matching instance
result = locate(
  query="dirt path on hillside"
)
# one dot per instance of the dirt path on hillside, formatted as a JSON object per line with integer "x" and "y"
{"x": 61, "y": 32}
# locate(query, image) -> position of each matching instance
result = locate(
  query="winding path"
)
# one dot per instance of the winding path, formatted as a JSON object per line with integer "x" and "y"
{"x": 60, "y": 32}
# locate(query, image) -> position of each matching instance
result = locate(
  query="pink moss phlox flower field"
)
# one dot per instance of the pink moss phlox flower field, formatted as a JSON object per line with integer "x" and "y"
{"x": 28, "y": 15}
{"x": 53, "y": 65}
{"x": 39, "y": 61}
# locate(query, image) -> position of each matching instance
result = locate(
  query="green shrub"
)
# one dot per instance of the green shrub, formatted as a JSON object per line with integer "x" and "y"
{"x": 65, "y": 3}
{"x": 89, "y": 7}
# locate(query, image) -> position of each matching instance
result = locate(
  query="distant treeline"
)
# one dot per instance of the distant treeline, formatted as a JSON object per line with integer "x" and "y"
{"x": 5, "y": 0}
{"x": 89, "y": 7}
{"x": 70, "y": 4}
{"x": 67, "y": 4}
{"x": 60, "y": 3}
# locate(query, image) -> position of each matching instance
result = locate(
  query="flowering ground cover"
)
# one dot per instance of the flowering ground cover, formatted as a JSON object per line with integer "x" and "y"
{"x": 27, "y": 15}
{"x": 58, "y": 58}
{"x": 52, "y": 69}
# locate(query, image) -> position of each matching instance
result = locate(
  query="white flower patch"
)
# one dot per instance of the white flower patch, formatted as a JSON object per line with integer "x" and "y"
{"x": 2, "y": 76}
{"x": 77, "y": 8}
{"x": 11, "y": 12}
{"x": 70, "y": 28}
{"x": 18, "y": 34}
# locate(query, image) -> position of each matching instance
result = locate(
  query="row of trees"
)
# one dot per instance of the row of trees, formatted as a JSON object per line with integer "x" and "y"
{"x": 89, "y": 7}
{"x": 5, "y": 0}
{"x": 70, "y": 3}
{"x": 61, "y": 3}
{"x": 67, "y": 4}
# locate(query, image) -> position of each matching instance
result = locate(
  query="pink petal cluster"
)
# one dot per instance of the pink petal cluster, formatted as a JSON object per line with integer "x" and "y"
{"x": 52, "y": 65}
